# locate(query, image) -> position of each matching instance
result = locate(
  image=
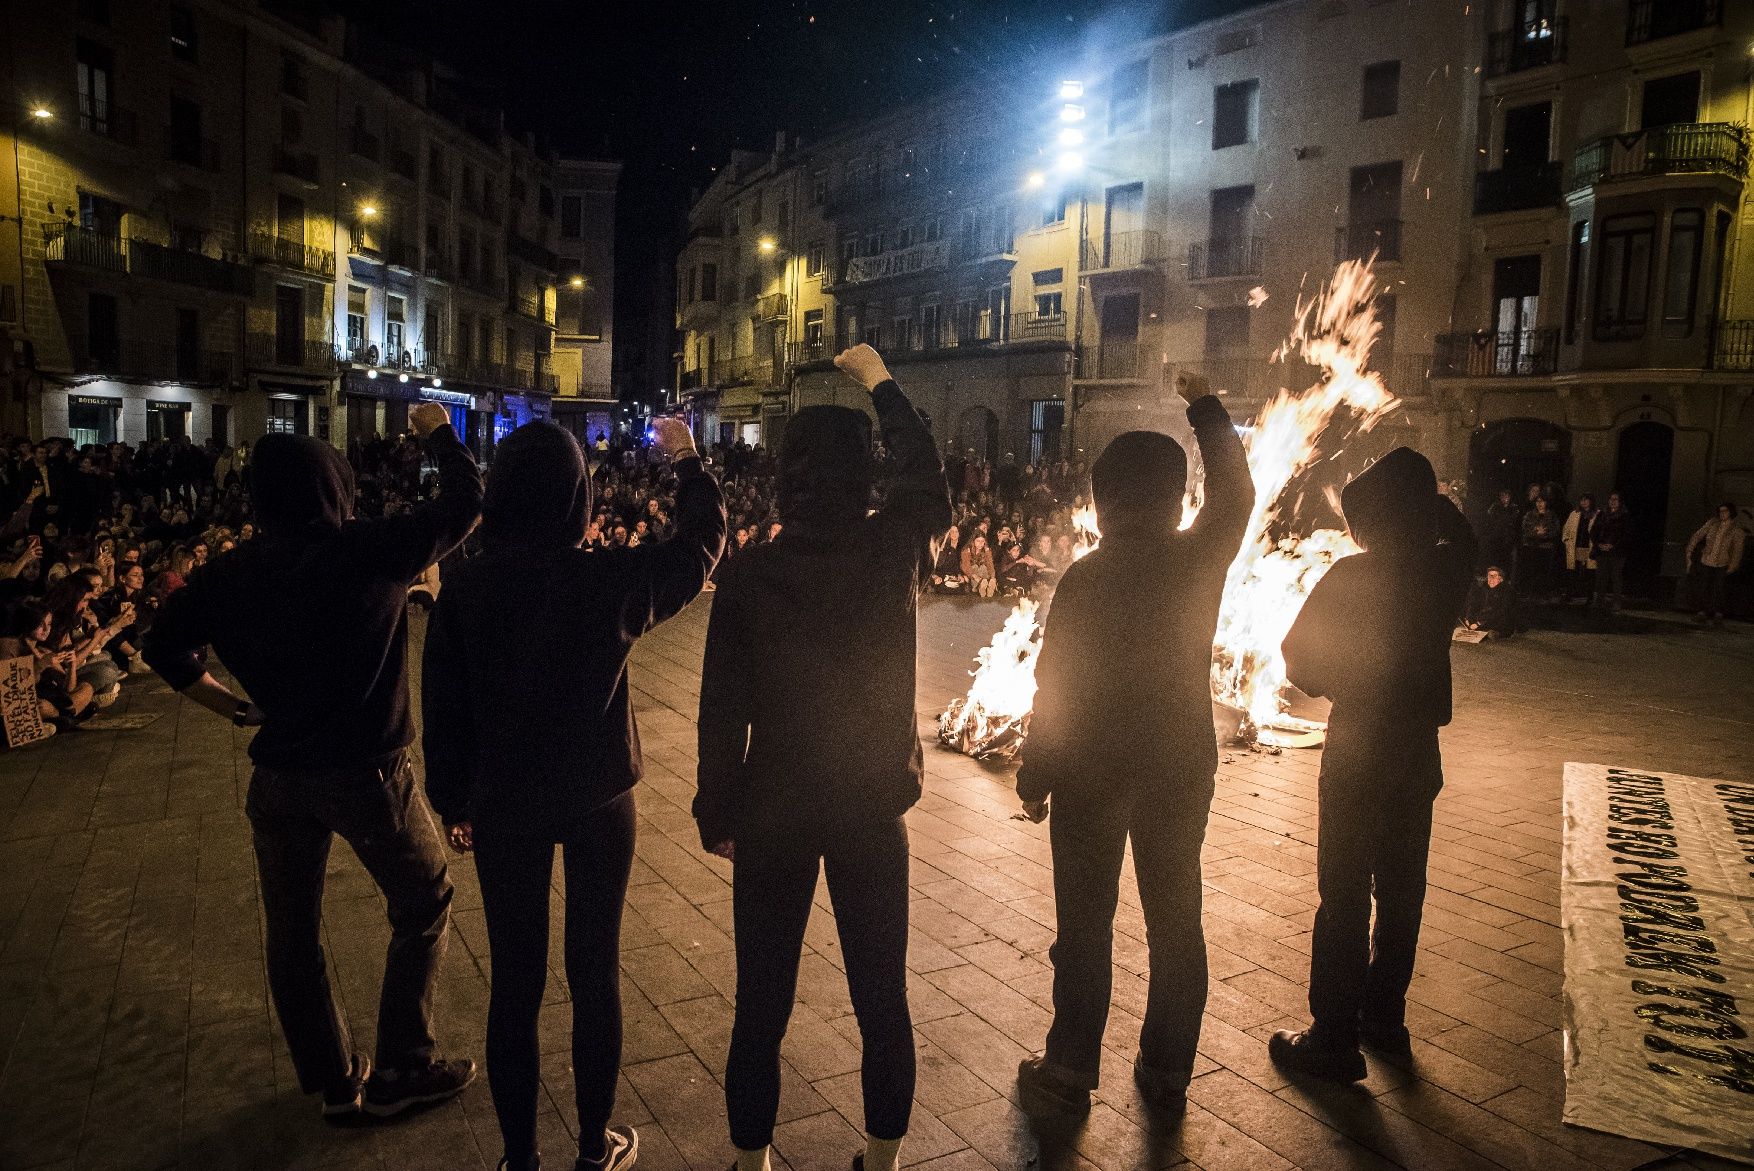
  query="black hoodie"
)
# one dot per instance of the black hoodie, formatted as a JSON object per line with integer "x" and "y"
{"x": 310, "y": 616}
{"x": 526, "y": 720}
{"x": 807, "y": 694}
{"x": 1374, "y": 634}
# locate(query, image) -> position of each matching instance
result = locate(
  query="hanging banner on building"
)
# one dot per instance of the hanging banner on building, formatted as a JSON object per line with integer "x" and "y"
{"x": 919, "y": 258}
{"x": 1657, "y": 902}
{"x": 19, "y": 706}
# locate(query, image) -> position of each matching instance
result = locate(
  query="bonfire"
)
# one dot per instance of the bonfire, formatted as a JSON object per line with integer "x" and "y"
{"x": 1279, "y": 564}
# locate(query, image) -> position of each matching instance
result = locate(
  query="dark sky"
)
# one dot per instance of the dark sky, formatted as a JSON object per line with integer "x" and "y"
{"x": 671, "y": 86}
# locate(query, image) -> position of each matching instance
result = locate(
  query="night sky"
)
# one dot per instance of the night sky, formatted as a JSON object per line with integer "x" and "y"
{"x": 671, "y": 87}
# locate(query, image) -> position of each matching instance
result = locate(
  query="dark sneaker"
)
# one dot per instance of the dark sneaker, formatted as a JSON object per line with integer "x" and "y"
{"x": 1313, "y": 1055}
{"x": 1391, "y": 1042}
{"x": 341, "y": 1100}
{"x": 620, "y": 1150}
{"x": 390, "y": 1092}
{"x": 1161, "y": 1092}
{"x": 534, "y": 1163}
{"x": 1044, "y": 1087}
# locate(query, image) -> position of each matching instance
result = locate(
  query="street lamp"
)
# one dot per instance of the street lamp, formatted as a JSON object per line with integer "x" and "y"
{"x": 367, "y": 211}
{"x": 1035, "y": 181}
{"x": 577, "y": 282}
{"x": 1071, "y": 89}
{"x": 766, "y": 244}
{"x": 41, "y": 113}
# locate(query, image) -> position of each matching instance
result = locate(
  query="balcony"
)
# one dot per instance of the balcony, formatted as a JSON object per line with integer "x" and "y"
{"x": 186, "y": 267}
{"x": 771, "y": 307}
{"x": 1686, "y": 148}
{"x": 300, "y": 164}
{"x": 1733, "y": 346}
{"x": 1241, "y": 375}
{"x": 131, "y": 360}
{"x": 1117, "y": 362}
{"x": 102, "y": 117}
{"x": 191, "y": 150}
{"x": 1517, "y": 189}
{"x": 988, "y": 329}
{"x": 1528, "y": 45}
{"x": 1653, "y": 20}
{"x": 72, "y": 244}
{"x": 275, "y": 249}
{"x": 1227, "y": 256}
{"x": 532, "y": 252}
{"x": 1363, "y": 240}
{"x": 1119, "y": 251}
{"x": 692, "y": 380}
{"x": 1487, "y": 353}
{"x": 804, "y": 353}
{"x": 291, "y": 352}
{"x": 532, "y": 305}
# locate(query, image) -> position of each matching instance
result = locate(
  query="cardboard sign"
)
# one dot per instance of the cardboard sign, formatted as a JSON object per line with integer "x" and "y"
{"x": 19, "y": 706}
{"x": 1657, "y": 903}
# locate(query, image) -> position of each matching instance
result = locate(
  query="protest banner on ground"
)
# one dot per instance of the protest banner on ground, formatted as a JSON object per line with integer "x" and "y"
{"x": 1657, "y": 902}
{"x": 19, "y": 707}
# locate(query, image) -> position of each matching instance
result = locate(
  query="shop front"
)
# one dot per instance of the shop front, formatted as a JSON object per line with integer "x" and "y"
{"x": 296, "y": 408}
{"x": 383, "y": 402}
{"x": 517, "y": 408}
{"x": 587, "y": 418}
{"x": 94, "y": 418}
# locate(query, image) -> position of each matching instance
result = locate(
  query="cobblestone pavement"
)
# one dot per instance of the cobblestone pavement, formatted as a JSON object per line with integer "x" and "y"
{"x": 136, "y": 1031}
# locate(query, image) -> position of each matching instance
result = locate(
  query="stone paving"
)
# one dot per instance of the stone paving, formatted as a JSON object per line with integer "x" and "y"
{"x": 135, "y": 1027}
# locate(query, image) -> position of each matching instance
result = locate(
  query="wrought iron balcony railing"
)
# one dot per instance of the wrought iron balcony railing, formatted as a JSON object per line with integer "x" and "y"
{"x": 1122, "y": 250}
{"x": 1517, "y": 188}
{"x": 1652, "y": 20}
{"x": 771, "y": 306}
{"x": 276, "y": 249}
{"x": 1361, "y": 240}
{"x": 1733, "y": 346}
{"x": 1224, "y": 256}
{"x": 189, "y": 268}
{"x": 72, "y": 244}
{"x": 102, "y": 117}
{"x": 291, "y": 352}
{"x": 1527, "y": 45}
{"x": 151, "y": 361}
{"x": 1685, "y": 148}
{"x": 1489, "y": 353}
{"x": 1117, "y": 362}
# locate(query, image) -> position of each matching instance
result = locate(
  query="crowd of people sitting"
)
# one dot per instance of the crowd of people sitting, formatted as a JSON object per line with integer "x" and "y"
{"x": 1014, "y": 532}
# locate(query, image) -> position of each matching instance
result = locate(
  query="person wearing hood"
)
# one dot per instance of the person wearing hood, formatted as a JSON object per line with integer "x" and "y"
{"x": 1374, "y": 638}
{"x": 531, "y": 743}
{"x": 809, "y": 744}
{"x": 311, "y": 619}
{"x": 1122, "y": 740}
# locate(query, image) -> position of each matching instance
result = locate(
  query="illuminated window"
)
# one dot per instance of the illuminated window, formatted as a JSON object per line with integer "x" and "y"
{"x": 813, "y": 258}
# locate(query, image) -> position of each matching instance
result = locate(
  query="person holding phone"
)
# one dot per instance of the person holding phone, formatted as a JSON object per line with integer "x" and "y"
{"x": 311, "y": 617}
{"x": 809, "y": 747}
{"x": 513, "y": 789}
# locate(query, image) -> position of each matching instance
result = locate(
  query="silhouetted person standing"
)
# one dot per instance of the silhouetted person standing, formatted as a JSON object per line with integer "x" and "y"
{"x": 809, "y": 746}
{"x": 531, "y": 743}
{"x": 1374, "y": 637}
{"x": 1122, "y": 740}
{"x": 311, "y": 618}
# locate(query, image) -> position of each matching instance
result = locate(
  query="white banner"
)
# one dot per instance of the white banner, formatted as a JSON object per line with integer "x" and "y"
{"x": 1657, "y": 900}
{"x": 919, "y": 258}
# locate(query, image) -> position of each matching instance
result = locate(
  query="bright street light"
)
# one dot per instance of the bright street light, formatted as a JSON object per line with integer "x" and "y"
{"x": 1071, "y": 89}
{"x": 577, "y": 282}
{"x": 1035, "y": 180}
{"x": 367, "y": 211}
{"x": 42, "y": 113}
{"x": 767, "y": 244}
{"x": 1071, "y": 136}
{"x": 437, "y": 382}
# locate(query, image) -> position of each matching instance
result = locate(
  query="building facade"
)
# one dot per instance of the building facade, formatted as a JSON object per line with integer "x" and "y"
{"x": 1551, "y": 190}
{"x": 584, "y": 349}
{"x": 229, "y": 222}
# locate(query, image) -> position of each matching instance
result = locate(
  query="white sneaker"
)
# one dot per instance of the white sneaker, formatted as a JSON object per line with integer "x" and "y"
{"x": 621, "y": 1150}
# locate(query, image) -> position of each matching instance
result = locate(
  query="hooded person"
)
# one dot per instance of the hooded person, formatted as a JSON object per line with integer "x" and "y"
{"x": 809, "y": 745}
{"x": 1374, "y": 637}
{"x": 1122, "y": 740}
{"x": 531, "y": 744}
{"x": 311, "y": 619}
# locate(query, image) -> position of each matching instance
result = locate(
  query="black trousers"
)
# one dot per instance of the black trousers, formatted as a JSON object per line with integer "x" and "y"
{"x": 773, "y": 882}
{"x": 516, "y": 874}
{"x": 1374, "y": 803}
{"x": 294, "y": 817}
{"x": 1714, "y": 589}
{"x": 1089, "y": 833}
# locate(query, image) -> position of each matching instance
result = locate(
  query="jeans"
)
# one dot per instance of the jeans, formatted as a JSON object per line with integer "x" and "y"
{"x": 1089, "y": 835}
{"x": 1610, "y": 579}
{"x": 1373, "y": 838}
{"x": 773, "y": 883}
{"x": 1714, "y": 590}
{"x": 516, "y": 874}
{"x": 294, "y": 816}
{"x": 101, "y": 672}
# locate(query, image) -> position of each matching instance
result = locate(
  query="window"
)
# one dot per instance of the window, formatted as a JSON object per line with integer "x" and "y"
{"x": 1047, "y": 292}
{"x": 285, "y": 416}
{"x": 752, "y": 286}
{"x": 1387, "y": 307}
{"x": 289, "y": 325}
{"x": 1623, "y": 276}
{"x": 1047, "y": 419}
{"x": 1580, "y": 241}
{"x": 709, "y": 282}
{"x": 572, "y": 216}
{"x": 849, "y": 250}
{"x": 358, "y": 302}
{"x": 545, "y": 202}
{"x": 484, "y": 332}
{"x": 185, "y": 131}
{"x": 100, "y": 215}
{"x": 733, "y": 220}
{"x": 1516, "y": 298}
{"x": 1227, "y": 329}
{"x": 755, "y": 210}
{"x": 289, "y": 212}
{"x": 690, "y": 285}
{"x": 1054, "y": 210}
{"x": 818, "y": 188}
{"x": 1681, "y": 270}
{"x": 187, "y": 347}
{"x": 95, "y": 72}
{"x": 1670, "y": 100}
{"x": 904, "y": 236}
{"x": 813, "y": 328}
{"x": 904, "y": 334}
{"x": 1235, "y": 113}
{"x": 103, "y": 331}
{"x": 933, "y": 230}
{"x": 184, "y": 44}
{"x": 511, "y": 346}
{"x": 292, "y": 126}
{"x": 292, "y": 76}
{"x": 929, "y": 325}
{"x": 814, "y": 256}
{"x": 873, "y": 336}
{"x": 1382, "y": 91}
{"x": 1126, "y": 98}
{"x": 395, "y": 328}
{"x": 167, "y": 420}
{"x": 873, "y": 244}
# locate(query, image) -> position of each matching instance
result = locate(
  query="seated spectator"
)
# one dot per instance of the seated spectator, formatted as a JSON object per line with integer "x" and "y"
{"x": 947, "y": 575}
{"x": 977, "y": 567}
{"x": 1491, "y": 606}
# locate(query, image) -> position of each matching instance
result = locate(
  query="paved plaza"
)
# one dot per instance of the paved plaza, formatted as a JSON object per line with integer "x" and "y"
{"x": 136, "y": 1030}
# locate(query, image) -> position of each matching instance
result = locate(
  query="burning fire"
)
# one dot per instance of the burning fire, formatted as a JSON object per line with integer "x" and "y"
{"x": 1276, "y": 568}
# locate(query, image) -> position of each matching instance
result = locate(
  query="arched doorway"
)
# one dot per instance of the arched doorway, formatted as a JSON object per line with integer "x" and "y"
{"x": 1641, "y": 475}
{"x": 1514, "y": 453}
{"x": 977, "y": 429}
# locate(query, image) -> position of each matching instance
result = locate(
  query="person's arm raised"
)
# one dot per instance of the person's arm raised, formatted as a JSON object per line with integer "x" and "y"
{"x": 670, "y": 573}
{"x": 1229, "y": 493}
{"x": 918, "y": 497}
{"x": 408, "y": 543}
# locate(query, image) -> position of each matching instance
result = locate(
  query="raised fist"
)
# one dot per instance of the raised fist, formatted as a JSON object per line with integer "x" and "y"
{"x": 864, "y": 365}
